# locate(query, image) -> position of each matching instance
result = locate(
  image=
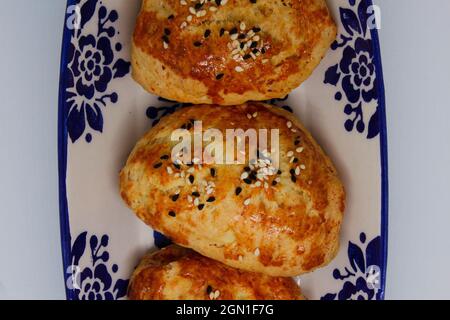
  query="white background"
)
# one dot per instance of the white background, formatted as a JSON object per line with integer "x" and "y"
{"x": 415, "y": 41}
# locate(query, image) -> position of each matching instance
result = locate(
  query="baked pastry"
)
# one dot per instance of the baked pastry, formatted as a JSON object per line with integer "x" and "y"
{"x": 229, "y": 51}
{"x": 176, "y": 273}
{"x": 281, "y": 221}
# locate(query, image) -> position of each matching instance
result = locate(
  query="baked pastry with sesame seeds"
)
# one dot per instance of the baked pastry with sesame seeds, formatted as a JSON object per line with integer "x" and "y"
{"x": 176, "y": 273}
{"x": 281, "y": 218}
{"x": 229, "y": 51}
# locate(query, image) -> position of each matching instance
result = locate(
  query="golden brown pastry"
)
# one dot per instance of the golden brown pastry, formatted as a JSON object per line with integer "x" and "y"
{"x": 229, "y": 51}
{"x": 175, "y": 273}
{"x": 279, "y": 222}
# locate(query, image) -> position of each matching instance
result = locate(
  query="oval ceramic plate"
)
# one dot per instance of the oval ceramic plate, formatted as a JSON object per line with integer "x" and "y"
{"x": 103, "y": 112}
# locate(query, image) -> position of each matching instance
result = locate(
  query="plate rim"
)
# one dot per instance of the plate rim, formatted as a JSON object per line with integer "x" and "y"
{"x": 63, "y": 143}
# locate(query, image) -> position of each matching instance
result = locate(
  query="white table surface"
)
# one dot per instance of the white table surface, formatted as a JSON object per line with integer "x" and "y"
{"x": 415, "y": 45}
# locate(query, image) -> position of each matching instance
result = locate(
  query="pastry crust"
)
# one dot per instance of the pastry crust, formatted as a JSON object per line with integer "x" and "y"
{"x": 175, "y": 273}
{"x": 285, "y": 225}
{"x": 239, "y": 52}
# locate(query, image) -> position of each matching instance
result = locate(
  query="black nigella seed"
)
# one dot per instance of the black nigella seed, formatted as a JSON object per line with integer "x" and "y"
{"x": 219, "y": 76}
{"x": 274, "y": 183}
{"x": 183, "y": 126}
{"x": 177, "y": 166}
{"x": 222, "y": 32}
{"x": 197, "y": 43}
{"x": 297, "y": 142}
{"x": 189, "y": 126}
{"x": 192, "y": 121}
{"x": 248, "y": 181}
{"x": 167, "y": 31}
{"x": 254, "y": 44}
{"x": 191, "y": 179}
{"x": 255, "y": 51}
{"x": 238, "y": 191}
{"x": 242, "y": 36}
{"x": 158, "y": 165}
{"x": 198, "y": 5}
{"x": 252, "y": 176}
{"x": 233, "y": 31}
{"x": 253, "y": 1}
{"x": 196, "y": 194}
{"x": 247, "y": 56}
{"x": 190, "y": 164}
{"x": 242, "y": 45}
{"x": 211, "y": 199}
{"x": 247, "y": 169}
{"x": 165, "y": 157}
{"x": 218, "y": 2}
{"x": 171, "y": 17}
{"x": 201, "y": 206}
{"x": 256, "y": 29}
{"x": 172, "y": 214}
{"x": 292, "y": 172}
{"x": 213, "y": 172}
{"x": 209, "y": 289}
{"x": 263, "y": 50}
{"x": 295, "y": 160}
{"x": 175, "y": 197}
{"x": 207, "y": 33}
{"x": 294, "y": 179}
{"x": 165, "y": 39}
{"x": 279, "y": 172}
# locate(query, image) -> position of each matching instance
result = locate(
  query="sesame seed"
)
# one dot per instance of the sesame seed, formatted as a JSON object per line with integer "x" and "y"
{"x": 196, "y": 201}
{"x": 169, "y": 170}
{"x": 299, "y": 150}
{"x": 294, "y": 130}
{"x": 239, "y": 69}
{"x": 289, "y": 124}
{"x": 290, "y": 154}
{"x": 255, "y": 114}
{"x": 183, "y": 2}
{"x": 303, "y": 167}
{"x": 238, "y": 191}
{"x": 183, "y": 25}
{"x": 247, "y": 202}
{"x": 240, "y": 258}
{"x": 249, "y": 116}
{"x": 297, "y": 171}
{"x": 192, "y": 10}
{"x": 213, "y": 9}
{"x": 189, "y": 18}
{"x": 208, "y": 289}
{"x": 257, "y": 252}
{"x": 190, "y": 199}
{"x": 165, "y": 45}
{"x": 242, "y": 26}
{"x": 216, "y": 294}
{"x": 211, "y": 296}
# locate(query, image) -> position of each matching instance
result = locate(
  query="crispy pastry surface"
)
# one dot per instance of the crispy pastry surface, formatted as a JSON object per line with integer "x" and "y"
{"x": 284, "y": 224}
{"x": 175, "y": 273}
{"x": 230, "y": 53}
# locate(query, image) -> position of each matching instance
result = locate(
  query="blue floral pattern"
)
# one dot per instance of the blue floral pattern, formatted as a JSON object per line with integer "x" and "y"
{"x": 355, "y": 76}
{"x": 92, "y": 65}
{"x": 95, "y": 281}
{"x": 361, "y": 278}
